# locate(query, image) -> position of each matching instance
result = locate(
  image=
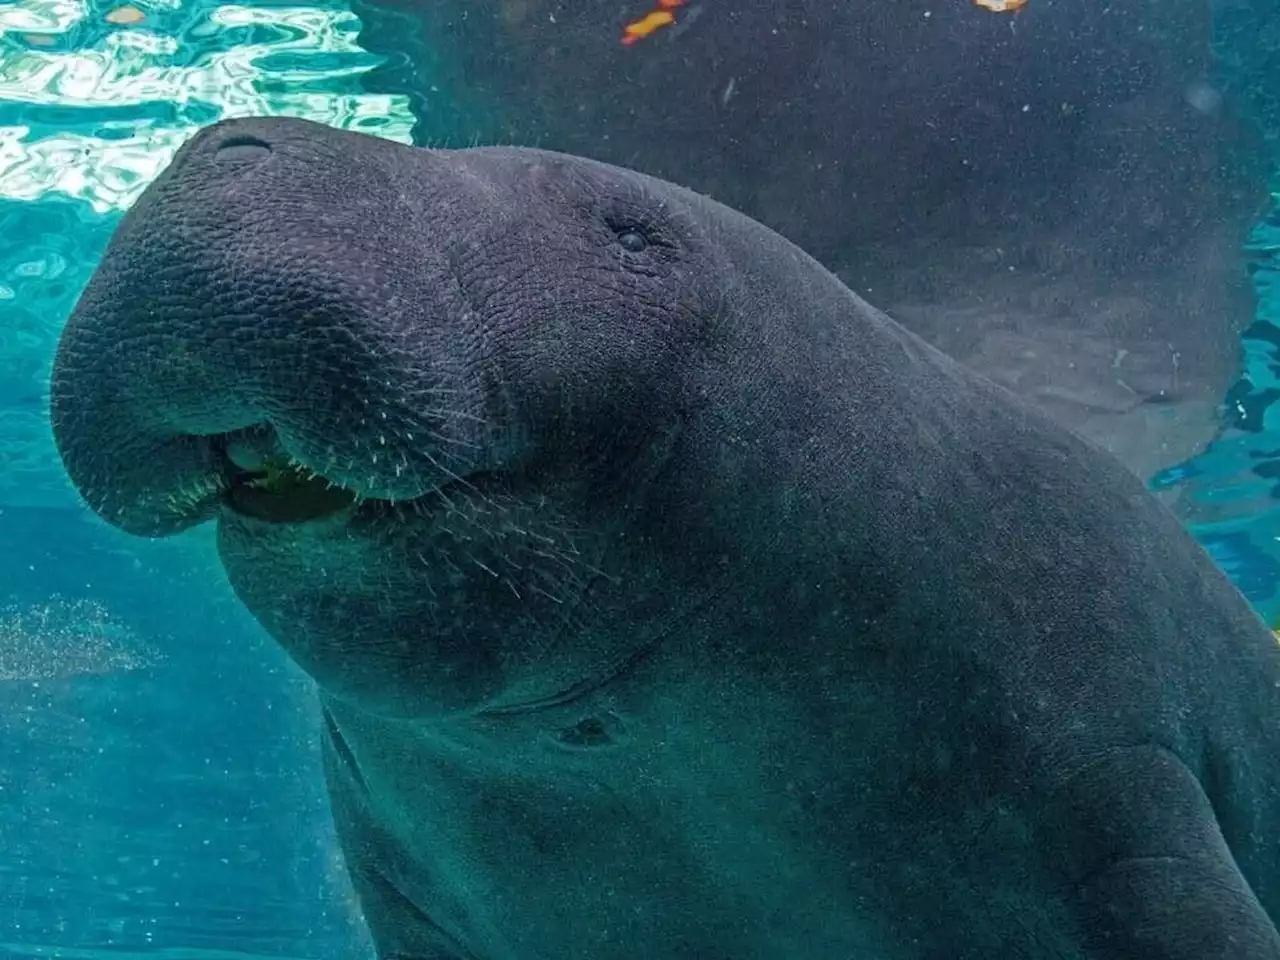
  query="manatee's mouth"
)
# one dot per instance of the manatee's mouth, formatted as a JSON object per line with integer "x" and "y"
{"x": 262, "y": 482}
{"x": 284, "y": 492}
{"x": 257, "y": 478}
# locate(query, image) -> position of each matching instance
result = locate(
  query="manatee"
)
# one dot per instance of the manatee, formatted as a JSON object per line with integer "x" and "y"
{"x": 664, "y": 599}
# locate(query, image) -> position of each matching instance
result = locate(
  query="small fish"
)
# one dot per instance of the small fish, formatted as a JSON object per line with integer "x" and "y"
{"x": 1001, "y": 6}
{"x": 652, "y": 21}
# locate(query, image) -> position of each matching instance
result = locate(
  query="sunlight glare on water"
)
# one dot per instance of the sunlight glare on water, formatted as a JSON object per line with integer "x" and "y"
{"x": 140, "y": 90}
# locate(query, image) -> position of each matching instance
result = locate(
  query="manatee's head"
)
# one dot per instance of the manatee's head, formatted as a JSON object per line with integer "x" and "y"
{"x": 430, "y": 399}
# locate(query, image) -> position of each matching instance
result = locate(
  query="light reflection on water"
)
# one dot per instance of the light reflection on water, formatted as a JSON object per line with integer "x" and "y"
{"x": 98, "y": 118}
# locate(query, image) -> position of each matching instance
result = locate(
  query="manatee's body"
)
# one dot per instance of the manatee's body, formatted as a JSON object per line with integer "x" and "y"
{"x": 689, "y": 607}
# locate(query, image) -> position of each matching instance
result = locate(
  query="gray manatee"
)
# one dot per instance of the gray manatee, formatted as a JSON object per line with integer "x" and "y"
{"x": 665, "y": 599}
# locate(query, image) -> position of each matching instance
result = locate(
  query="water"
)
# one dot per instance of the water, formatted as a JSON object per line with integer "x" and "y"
{"x": 159, "y": 781}
{"x": 214, "y": 836}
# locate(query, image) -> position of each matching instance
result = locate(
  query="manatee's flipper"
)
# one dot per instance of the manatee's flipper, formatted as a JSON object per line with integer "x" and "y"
{"x": 1171, "y": 909}
{"x": 1151, "y": 874}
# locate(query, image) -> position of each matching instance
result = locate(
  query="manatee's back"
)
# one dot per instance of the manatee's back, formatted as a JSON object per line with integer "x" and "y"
{"x": 1144, "y": 688}
{"x": 1142, "y": 691}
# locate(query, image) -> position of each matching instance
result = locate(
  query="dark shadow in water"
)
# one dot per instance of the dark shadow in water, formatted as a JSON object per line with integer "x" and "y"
{"x": 1058, "y": 198}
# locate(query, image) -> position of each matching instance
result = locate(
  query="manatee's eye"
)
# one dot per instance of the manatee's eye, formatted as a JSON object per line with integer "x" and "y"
{"x": 633, "y": 241}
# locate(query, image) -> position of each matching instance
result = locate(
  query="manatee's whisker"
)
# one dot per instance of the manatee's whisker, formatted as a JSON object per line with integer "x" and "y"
{"x": 448, "y": 561}
{"x": 567, "y": 560}
{"x": 454, "y": 441}
{"x": 449, "y": 504}
{"x": 446, "y": 415}
{"x": 425, "y": 581}
{"x": 565, "y": 577}
{"x": 487, "y": 569}
{"x": 453, "y": 477}
{"x": 418, "y": 393}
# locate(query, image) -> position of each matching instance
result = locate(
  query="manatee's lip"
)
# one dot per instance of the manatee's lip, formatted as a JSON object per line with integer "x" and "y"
{"x": 266, "y": 485}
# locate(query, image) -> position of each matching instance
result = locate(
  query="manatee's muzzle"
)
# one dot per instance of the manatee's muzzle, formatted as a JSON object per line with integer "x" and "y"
{"x": 160, "y": 431}
{"x": 163, "y": 420}
{"x": 244, "y": 346}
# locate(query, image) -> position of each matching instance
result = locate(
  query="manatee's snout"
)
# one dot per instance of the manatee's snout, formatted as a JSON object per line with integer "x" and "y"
{"x": 256, "y": 334}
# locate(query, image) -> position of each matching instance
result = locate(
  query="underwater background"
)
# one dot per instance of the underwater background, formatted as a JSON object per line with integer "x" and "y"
{"x": 1074, "y": 197}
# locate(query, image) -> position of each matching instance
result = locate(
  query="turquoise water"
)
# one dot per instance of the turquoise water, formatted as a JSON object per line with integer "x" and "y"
{"x": 212, "y": 838}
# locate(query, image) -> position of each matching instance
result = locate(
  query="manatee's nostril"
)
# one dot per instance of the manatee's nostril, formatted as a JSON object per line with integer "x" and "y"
{"x": 242, "y": 149}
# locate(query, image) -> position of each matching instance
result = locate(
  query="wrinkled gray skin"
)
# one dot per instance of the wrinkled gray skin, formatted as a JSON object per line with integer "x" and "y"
{"x": 716, "y": 616}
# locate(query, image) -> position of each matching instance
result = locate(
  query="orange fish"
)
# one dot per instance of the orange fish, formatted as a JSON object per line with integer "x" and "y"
{"x": 1002, "y": 6}
{"x": 637, "y": 30}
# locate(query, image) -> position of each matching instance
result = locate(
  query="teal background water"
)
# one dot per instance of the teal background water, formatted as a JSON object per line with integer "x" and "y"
{"x": 159, "y": 780}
